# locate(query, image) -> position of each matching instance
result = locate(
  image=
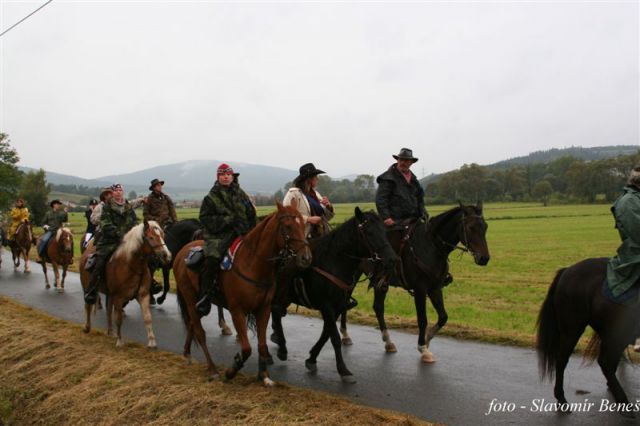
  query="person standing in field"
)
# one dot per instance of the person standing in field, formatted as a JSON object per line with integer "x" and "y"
{"x": 623, "y": 270}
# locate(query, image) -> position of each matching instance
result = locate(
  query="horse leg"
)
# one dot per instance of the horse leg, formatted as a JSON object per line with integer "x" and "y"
{"x": 46, "y": 277}
{"x": 346, "y": 339}
{"x": 277, "y": 336}
{"x": 310, "y": 362}
{"x": 26, "y": 261}
{"x": 64, "y": 275}
{"x": 330, "y": 320}
{"x": 15, "y": 255}
{"x": 378, "y": 306}
{"x": 226, "y": 331}
{"x": 240, "y": 323}
{"x": 144, "y": 301}
{"x": 165, "y": 285}
{"x": 566, "y": 344}
{"x": 438, "y": 304}
{"x": 56, "y": 275}
{"x": 117, "y": 306}
{"x": 420, "y": 300}
{"x": 195, "y": 329}
{"x": 110, "y": 308}
{"x": 608, "y": 360}
{"x": 186, "y": 352}
{"x": 87, "y": 318}
{"x": 264, "y": 358}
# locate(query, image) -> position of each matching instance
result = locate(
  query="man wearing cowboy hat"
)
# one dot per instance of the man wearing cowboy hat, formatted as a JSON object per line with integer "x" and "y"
{"x": 159, "y": 206}
{"x": 53, "y": 220}
{"x": 105, "y": 195}
{"x": 399, "y": 196}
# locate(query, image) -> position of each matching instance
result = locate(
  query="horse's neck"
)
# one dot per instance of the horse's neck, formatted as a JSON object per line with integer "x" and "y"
{"x": 342, "y": 261}
{"x": 445, "y": 237}
{"x": 261, "y": 249}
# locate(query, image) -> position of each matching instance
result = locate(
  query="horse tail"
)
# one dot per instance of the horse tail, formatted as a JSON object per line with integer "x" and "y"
{"x": 593, "y": 348}
{"x": 252, "y": 323}
{"x": 548, "y": 335}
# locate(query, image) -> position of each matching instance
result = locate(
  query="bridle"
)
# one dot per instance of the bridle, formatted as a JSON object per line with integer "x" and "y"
{"x": 465, "y": 239}
{"x": 287, "y": 252}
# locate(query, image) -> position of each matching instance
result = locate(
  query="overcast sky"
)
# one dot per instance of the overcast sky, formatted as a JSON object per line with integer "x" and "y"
{"x": 99, "y": 88}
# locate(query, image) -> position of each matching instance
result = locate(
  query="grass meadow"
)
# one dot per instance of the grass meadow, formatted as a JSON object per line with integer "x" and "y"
{"x": 498, "y": 302}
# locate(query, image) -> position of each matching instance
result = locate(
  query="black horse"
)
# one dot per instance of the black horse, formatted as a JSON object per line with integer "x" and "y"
{"x": 176, "y": 237}
{"x": 327, "y": 284}
{"x": 424, "y": 251}
{"x": 576, "y": 299}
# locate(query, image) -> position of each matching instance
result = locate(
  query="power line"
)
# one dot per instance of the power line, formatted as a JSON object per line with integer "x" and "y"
{"x": 24, "y": 19}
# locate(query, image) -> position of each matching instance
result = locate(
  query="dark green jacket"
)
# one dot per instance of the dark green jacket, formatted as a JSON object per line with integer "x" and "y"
{"x": 623, "y": 270}
{"x": 116, "y": 220}
{"x": 54, "y": 219}
{"x": 397, "y": 199}
{"x": 225, "y": 214}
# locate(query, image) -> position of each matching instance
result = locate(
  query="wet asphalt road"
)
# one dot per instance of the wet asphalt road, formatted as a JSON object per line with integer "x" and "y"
{"x": 458, "y": 389}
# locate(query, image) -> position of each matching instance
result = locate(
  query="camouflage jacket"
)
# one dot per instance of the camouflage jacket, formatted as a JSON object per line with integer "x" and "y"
{"x": 226, "y": 213}
{"x": 54, "y": 219}
{"x": 115, "y": 221}
{"x": 160, "y": 207}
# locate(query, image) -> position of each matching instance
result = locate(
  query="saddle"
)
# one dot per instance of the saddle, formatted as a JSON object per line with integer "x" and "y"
{"x": 195, "y": 257}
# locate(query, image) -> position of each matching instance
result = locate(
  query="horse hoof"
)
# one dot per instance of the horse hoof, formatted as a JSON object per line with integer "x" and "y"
{"x": 348, "y": 379}
{"x": 311, "y": 366}
{"x": 390, "y": 348}
{"x": 188, "y": 360}
{"x": 152, "y": 346}
{"x": 268, "y": 382}
{"x": 86, "y": 329}
{"x": 47, "y": 287}
{"x": 214, "y": 376}
{"x": 226, "y": 331}
{"x": 230, "y": 373}
{"x": 427, "y": 358}
{"x": 346, "y": 341}
{"x": 269, "y": 359}
{"x": 61, "y": 290}
{"x": 119, "y": 343}
{"x": 282, "y": 355}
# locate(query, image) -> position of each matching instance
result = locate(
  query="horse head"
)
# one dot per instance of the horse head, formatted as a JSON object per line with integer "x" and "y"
{"x": 373, "y": 236}
{"x": 291, "y": 237}
{"x": 472, "y": 232}
{"x": 64, "y": 238}
{"x": 153, "y": 237}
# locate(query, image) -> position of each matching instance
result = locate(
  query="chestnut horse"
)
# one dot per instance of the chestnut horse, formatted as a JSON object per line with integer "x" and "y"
{"x": 127, "y": 276}
{"x": 247, "y": 288}
{"x": 59, "y": 253}
{"x": 21, "y": 245}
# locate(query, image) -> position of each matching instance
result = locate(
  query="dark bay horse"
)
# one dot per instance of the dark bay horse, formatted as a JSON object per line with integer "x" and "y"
{"x": 21, "y": 245}
{"x": 424, "y": 265}
{"x": 247, "y": 288}
{"x": 328, "y": 284}
{"x": 59, "y": 254}
{"x": 576, "y": 300}
{"x": 127, "y": 276}
{"x": 177, "y": 236}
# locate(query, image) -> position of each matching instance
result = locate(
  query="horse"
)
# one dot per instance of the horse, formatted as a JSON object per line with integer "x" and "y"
{"x": 328, "y": 284}
{"x": 21, "y": 245}
{"x": 576, "y": 299}
{"x": 59, "y": 253}
{"x": 423, "y": 266}
{"x": 127, "y": 276}
{"x": 247, "y": 288}
{"x": 176, "y": 237}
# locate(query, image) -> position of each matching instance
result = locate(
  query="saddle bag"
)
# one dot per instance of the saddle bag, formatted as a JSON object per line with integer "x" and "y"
{"x": 91, "y": 262}
{"x": 195, "y": 258}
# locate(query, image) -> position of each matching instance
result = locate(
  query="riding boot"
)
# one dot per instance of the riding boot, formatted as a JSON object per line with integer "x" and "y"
{"x": 208, "y": 285}
{"x": 91, "y": 294}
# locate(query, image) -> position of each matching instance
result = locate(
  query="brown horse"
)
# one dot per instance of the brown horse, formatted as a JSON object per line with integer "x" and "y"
{"x": 127, "y": 276}
{"x": 248, "y": 287}
{"x": 21, "y": 245}
{"x": 59, "y": 253}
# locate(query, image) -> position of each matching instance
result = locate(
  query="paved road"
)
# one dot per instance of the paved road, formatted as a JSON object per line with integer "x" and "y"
{"x": 457, "y": 390}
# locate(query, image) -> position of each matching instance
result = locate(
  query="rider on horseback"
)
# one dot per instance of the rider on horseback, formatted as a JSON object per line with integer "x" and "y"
{"x": 226, "y": 213}
{"x": 52, "y": 221}
{"x": 159, "y": 206}
{"x": 19, "y": 214}
{"x": 116, "y": 219}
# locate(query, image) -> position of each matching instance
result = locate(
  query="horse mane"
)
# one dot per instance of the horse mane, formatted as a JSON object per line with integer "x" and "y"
{"x": 437, "y": 221}
{"x": 340, "y": 237}
{"x": 61, "y": 230}
{"x": 132, "y": 241}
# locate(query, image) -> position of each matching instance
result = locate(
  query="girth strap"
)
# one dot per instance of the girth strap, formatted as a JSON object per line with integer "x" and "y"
{"x": 258, "y": 284}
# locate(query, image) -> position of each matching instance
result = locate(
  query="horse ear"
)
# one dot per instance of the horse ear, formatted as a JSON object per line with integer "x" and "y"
{"x": 279, "y": 205}
{"x": 461, "y": 205}
{"x": 479, "y": 205}
{"x": 359, "y": 214}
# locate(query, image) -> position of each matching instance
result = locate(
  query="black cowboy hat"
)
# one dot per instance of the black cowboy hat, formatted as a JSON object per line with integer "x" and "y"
{"x": 93, "y": 202}
{"x": 405, "y": 154}
{"x": 56, "y": 201}
{"x": 154, "y": 182}
{"x": 308, "y": 170}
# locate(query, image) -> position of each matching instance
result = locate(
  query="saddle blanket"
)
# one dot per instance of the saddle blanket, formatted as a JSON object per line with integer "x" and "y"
{"x": 628, "y": 298}
{"x": 227, "y": 260}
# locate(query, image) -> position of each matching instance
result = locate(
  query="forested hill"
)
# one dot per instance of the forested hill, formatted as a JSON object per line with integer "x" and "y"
{"x": 587, "y": 154}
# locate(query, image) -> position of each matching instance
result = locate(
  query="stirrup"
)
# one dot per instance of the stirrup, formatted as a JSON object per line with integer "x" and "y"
{"x": 352, "y": 303}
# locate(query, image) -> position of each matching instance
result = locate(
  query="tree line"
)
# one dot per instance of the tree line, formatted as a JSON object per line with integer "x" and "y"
{"x": 566, "y": 179}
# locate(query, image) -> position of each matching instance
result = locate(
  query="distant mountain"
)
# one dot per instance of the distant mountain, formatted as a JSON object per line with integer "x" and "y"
{"x": 587, "y": 154}
{"x": 187, "y": 180}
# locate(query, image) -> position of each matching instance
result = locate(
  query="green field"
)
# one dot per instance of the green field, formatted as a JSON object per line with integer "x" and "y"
{"x": 500, "y": 301}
